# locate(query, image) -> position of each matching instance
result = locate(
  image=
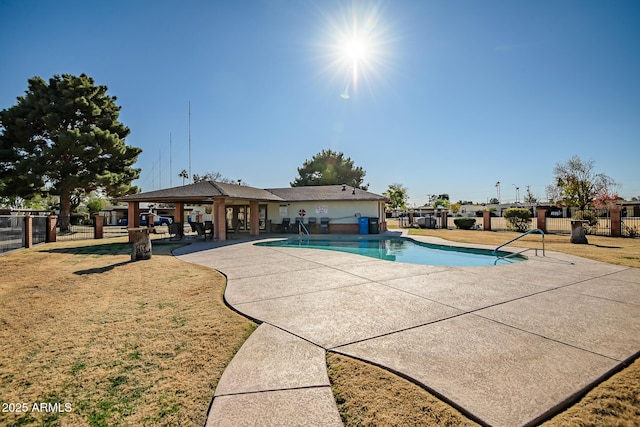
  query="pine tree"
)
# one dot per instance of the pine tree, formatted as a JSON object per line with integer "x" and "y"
{"x": 64, "y": 136}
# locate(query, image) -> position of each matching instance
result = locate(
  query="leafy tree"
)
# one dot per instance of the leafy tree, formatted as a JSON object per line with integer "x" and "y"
{"x": 530, "y": 198}
{"x": 327, "y": 168}
{"x": 397, "y": 193}
{"x": 494, "y": 201}
{"x": 441, "y": 202}
{"x": 63, "y": 137}
{"x": 217, "y": 177}
{"x": 435, "y": 197}
{"x": 455, "y": 207}
{"x": 95, "y": 205}
{"x": 576, "y": 183}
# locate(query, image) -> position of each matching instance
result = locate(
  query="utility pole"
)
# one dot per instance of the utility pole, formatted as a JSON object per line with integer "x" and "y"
{"x": 170, "y": 163}
{"x": 189, "y": 177}
{"x": 498, "y": 189}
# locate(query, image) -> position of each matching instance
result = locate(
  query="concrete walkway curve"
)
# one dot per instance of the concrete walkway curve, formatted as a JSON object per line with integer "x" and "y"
{"x": 508, "y": 345}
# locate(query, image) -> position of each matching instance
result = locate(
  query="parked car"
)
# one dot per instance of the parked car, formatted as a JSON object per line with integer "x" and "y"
{"x": 157, "y": 220}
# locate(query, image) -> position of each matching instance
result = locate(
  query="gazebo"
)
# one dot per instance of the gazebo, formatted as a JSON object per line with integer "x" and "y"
{"x": 220, "y": 195}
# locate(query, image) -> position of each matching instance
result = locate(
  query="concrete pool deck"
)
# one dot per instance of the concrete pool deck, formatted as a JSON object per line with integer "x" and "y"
{"x": 508, "y": 345}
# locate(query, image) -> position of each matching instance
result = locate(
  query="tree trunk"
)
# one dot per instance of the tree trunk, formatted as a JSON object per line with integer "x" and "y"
{"x": 64, "y": 219}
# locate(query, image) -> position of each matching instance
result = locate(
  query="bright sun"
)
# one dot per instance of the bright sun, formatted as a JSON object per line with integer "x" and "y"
{"x": 355, "y": 49}
{"x": 358, "y": 44}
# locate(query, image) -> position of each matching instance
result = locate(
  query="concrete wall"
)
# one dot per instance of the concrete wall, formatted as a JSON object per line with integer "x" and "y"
{"x": 339, "y": 212}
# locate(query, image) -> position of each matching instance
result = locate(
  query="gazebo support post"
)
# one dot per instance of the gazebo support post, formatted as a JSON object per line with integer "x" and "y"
{"x": 178, "y": 217}
{"x": 219, "y": 219}
{"x": 133, "y": 218}
{"x": 254, "y": 222}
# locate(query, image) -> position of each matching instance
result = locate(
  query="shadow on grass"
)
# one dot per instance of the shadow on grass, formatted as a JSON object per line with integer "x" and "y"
{"x": 102, "y": 249}
{"x": 112, "y": 249}
{"x": 100, "y": 270}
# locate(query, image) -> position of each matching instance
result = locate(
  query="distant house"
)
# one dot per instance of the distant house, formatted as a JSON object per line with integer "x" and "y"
{"x": 248, "y": 209}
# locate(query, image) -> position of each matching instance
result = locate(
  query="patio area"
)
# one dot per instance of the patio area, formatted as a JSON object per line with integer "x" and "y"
{"x": 506, "y": 345}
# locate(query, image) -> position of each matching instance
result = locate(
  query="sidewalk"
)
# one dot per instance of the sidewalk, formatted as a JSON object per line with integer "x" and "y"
{"x": 507, "y": 345}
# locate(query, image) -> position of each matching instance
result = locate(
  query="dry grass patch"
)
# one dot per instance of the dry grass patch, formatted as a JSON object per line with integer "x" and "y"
{"x": 124, "y": 343}
{"x": 371, "y": 396}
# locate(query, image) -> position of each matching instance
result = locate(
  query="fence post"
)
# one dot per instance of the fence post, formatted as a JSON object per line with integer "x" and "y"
{"x": 51, "y": 228}
{"x": 443, "y": 220}
{"x": 541, "y": 214}
{"x": 486, "y": 220}
{"x": 28, "y": 231}
{"x": 98, "y": 230}
{"x": 616, "y": 222}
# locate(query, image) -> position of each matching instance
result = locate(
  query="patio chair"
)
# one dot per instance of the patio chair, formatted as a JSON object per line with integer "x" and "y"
{"x": 324, "y": 224}
{"x": 200, "y": 230}
{"x": 208, "y": 227}
{"x": 312, "y": 224}
{"x": 174, "y": 231}
{"x": 193, "y": 227}
{"x": 233, "y": 231}
{"x": 284, "y": 226}
{"x": 296, "y": 226}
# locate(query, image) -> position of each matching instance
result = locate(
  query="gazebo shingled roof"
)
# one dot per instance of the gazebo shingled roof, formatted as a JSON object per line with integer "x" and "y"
{"x": 205, "y": 191}
{"x": 202, "y": 192}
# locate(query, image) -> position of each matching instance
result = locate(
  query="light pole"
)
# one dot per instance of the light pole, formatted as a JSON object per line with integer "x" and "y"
{"x": 517, "y": 193}
{"x": 498, "y": 190}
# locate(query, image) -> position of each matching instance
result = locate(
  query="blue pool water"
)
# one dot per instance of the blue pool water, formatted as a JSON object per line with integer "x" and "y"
{"x": 401, "y": 249}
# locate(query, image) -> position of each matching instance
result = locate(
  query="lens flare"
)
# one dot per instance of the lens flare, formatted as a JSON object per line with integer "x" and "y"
{"x": 358, "y": 45}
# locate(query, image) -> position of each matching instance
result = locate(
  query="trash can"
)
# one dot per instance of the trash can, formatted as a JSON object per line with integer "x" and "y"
{"x": 431, "y": 222}
{"x": 363, "y": 222}
{"x": 374, "y": 226}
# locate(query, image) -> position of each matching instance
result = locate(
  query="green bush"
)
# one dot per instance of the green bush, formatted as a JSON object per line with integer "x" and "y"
{"x": 464, "y": 223}
{"x": 631, "y": 231}
{"x": 587, "y": 216}
{"x": 518, "y": 219}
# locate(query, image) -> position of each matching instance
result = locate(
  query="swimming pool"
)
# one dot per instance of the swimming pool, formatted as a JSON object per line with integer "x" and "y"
{"x": 401, "y": 249}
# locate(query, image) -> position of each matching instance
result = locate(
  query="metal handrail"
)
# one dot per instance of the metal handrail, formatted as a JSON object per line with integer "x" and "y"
{"x": 535, "y": 230}
{"x": 303, "y": 228}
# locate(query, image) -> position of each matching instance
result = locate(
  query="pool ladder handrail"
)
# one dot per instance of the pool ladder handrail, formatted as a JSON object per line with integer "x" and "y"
{"x": 535, "y": 230}
{"x": 302, "y": 227}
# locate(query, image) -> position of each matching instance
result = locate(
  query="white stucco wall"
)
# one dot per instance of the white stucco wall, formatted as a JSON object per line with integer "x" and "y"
{"x": 338, "y": 212}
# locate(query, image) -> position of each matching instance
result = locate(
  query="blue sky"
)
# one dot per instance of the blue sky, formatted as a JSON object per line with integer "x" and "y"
{"x": 450, "y": 96}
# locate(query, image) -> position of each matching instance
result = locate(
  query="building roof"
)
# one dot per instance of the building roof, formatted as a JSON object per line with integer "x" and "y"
{"x": 206, "y": 191}
{"x": 324, "y": 193}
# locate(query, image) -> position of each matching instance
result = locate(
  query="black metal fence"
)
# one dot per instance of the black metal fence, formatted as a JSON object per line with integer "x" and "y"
{"x": 81, "y": 231}
{"x": 631, "y": 226}
{"x": 12, "y": 231}
{"x": 599, "y": 223}
{"x": 39, "y": 229}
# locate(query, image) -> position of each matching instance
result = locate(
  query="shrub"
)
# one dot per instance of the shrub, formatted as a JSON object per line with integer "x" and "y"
{"x": 631, "y": 231}
{"x": 518, "y": 219}
{"x": 464, "y": 223}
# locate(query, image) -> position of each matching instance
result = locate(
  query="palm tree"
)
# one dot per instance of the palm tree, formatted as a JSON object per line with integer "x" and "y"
{"x": 184, "y": 175}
